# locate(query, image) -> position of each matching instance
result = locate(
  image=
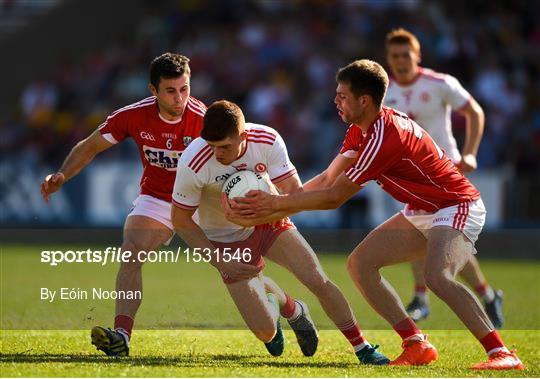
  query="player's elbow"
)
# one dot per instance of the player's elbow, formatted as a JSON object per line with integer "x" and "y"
{"x": 325, "y": 179}
{"x": 86, "y": 149}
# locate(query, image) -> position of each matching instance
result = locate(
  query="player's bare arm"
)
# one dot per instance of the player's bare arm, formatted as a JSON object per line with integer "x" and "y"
{"x": 234, "y": 214}
{"x": 79, "y": 157}
{"x": 257, "y": 203}
{"x": 328, "y": 177}
{"x": 475, "y": 129}
{"x": 194, "y": 236}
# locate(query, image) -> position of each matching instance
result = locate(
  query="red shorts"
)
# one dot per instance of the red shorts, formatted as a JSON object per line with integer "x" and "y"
{"x": 258, "y": 243}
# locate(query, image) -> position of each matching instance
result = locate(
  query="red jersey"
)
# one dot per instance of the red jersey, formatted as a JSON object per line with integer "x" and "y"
{"x": 405, "y": 161}
{"x": 160, "y": 142}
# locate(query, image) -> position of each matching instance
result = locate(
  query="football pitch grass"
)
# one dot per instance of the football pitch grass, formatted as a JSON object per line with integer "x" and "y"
{"x": 188, "y": 326}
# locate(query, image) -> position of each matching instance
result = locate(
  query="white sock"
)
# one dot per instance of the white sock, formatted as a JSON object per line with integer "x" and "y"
{"x": 297, "y": 311}
{"x": 489, "y": 296}
{"x": 422, "y": 296}
{"x": 496, "y": 350}
{"x": 416, "y": 337}
{"x": 359, "y": 347}
{"x": 123, "y": 333}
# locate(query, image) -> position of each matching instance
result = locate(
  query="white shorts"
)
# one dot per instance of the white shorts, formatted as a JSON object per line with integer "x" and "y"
{"x": 150, "y": 206}
{"x": 156, "y": 209}
{"x": 468, "y": 218}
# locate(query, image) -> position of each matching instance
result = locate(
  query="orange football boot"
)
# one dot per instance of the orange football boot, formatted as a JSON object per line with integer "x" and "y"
{"x": 416, "y": 353}
{"x": 501, "y": 360}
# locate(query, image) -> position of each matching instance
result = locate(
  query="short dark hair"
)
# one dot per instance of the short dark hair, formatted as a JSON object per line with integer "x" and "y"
{"x": 168, "y": 66}
{"x": 402, "y": 36}
{"x": 365, "y": 77}
{"x": 222, "y": 119}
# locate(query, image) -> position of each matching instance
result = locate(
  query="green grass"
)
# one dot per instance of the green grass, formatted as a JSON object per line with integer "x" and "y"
{"x": 238, "y": 353}
{"x": 196, "y": 330}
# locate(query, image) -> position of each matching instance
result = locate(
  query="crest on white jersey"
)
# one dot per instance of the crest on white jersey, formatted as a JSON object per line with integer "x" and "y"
{"x": 260, "y": 167}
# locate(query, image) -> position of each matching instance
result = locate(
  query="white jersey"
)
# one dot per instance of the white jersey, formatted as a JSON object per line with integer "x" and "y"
{"x": 429, "y": 100}
{"x": 200, "y": 178}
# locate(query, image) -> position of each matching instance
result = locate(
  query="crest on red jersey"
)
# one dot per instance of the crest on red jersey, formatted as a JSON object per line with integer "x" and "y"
{"x": 260, "y": 167}
{"x": 187, "y": 140}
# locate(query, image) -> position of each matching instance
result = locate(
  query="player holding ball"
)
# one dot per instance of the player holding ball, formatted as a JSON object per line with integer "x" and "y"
{"x": 227, "y": 145}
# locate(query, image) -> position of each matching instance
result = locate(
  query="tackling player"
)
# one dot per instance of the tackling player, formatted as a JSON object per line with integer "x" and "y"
{"x": 229, "y": 144}
{"x": 441, "y": 221}
{"x": 162, "y": 126}
{"x": 428, "y": 97}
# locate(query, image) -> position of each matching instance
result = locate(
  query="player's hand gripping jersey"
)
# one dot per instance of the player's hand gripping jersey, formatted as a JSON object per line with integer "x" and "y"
{"x": 160, "y": 142}
{"x": 429, "y": 100}
{"x": 406, "y": 163}
{"x": 200, "y": 178}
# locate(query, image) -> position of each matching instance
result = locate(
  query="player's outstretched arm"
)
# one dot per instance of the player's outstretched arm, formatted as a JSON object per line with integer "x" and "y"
{"x": 194, "y": 236}
{"x": 326, "y": 178}
{"x": 257, "y": 203}
{"x": 475, "y": 129}
{"x": 80, "y": 156}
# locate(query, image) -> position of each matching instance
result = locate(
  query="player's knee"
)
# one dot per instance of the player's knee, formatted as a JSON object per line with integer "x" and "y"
{"x": 318, "y": 284}
{"x": 353, "y": 264}
{"x": 265, "y": 335}
{"x": 437, "y": 280}
{"x": 134, "y": 262}
{"x": 357, "y": 263}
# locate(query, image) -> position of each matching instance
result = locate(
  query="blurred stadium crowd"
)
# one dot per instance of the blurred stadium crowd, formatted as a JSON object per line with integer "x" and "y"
{"x": 278, "y": 60}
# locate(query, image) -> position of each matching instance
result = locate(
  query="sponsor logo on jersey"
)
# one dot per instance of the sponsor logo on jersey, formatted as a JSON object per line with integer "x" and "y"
{"x": 147, "y": 136}
{"x": 407, "y": 95}
{"x": 441, "y": 219}
{"x": 260, "y": 167}
{"x": 231, "y": 184}
{"x": 223, "y": 177}
{"x": 240, "y": 167}
{"x": 169, "y": 135}
{"x": 162, "y": 158}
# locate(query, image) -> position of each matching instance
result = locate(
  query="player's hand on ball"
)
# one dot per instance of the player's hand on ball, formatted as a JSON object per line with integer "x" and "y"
{"x": 468, "y": 163}
{"x": 51, "y": 184}
{"x": 231, "y": 212}
{"x": 254, "y": 205}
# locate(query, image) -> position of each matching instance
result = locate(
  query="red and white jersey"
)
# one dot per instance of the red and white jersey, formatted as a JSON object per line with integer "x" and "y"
{"x": 200, "y": 178}
{"x": 160, "y": 142}
{"x": 429, "y": 100}
{"x": 406, "y": 163}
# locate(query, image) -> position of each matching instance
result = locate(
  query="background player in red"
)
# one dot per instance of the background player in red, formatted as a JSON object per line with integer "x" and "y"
{"x": 162, "y": 126}
{"x": 442, "y": 219}
{"x": 429, "y": 97}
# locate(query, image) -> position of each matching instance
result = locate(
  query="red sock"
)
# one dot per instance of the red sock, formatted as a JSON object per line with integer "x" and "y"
{"x": 287, "y": 310}
{"x": 352, "y": 332}
{"x": 420, "y": 289}
{"x": 406, "y": 328}
{"x": 481, "y": 289}
{"x": 124, "y": 322}
{"x": 491, "y": 341}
